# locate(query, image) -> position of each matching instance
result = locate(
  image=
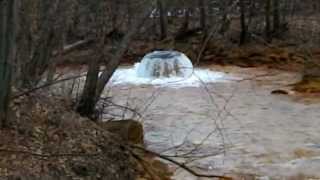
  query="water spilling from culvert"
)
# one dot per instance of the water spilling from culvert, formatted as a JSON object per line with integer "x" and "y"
{"x": 166, "y": 68}
{"x": 165, "y": 64}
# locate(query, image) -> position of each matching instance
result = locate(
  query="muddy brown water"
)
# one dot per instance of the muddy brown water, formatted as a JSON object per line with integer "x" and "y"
{"x": 230, "y": 127}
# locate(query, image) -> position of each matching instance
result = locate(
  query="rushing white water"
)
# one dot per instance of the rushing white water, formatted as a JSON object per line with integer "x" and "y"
{"x": 270, "y": 136}
{"x": 199, "y": 76}
{"x": 166, "y": 68}
{"x": 165, "y": 64}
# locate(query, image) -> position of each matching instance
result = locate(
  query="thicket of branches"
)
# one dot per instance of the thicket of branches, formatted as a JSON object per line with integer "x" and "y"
{"x": 35, "y": 34}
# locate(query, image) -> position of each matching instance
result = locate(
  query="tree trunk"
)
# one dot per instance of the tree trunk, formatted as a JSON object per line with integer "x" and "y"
{"x": 162, "y": 18}
{"x": 276, "y": 17}
{"x": 129, "y": 13}
{"x": 225, "y": 18}
{"x": 8, "y": 29}
{"x": 203, "y": 17}
{"x": 243, "y": 34}
{"x": 60, "y": 35}
{"x": 87, "y": 101}
{"x": 114, "y": 62}
{"x": 115, "y": 13}
{"x": 40, "y": 59}
{"x": 268, "y": 21}
{"x": 186, "y": 21}
{"x": 185, "y": 25}
{"x": 94, "y": 86}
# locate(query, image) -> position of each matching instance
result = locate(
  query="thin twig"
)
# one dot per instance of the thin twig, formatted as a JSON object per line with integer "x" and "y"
{"x": 183, "y": 166}
{"x": 45, "y": 86}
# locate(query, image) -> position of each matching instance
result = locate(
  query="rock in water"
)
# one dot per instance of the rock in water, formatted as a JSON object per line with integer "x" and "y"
{"x": 165, "y": 64}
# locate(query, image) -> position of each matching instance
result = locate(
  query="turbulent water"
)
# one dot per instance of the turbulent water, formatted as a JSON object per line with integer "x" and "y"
{"x": 166, "y": 69}
{"x": 129, "y": 75}
{"x": 230, "y": 126}
{"x": 224, "y": 124}
{"x": 165, "y": 64}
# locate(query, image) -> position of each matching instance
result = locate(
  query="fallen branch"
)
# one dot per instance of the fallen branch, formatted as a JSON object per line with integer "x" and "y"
{"x": 45, "y": 86}
{"x": 131, "y": 147}
{"x": 145, "y": 166}
{"x": 183, "y": 166}
{"x": 71, "y": 47}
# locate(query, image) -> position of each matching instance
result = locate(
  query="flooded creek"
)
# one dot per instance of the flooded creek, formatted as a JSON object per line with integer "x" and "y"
{"x": 232, "y": 126}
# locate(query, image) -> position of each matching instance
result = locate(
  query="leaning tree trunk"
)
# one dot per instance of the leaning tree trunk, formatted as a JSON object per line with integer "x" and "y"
{"x": 114, "y": 62}
{"x": 94, "y": 86}
{"x": 8, "y": 22}
{"x": 87, "y": 103}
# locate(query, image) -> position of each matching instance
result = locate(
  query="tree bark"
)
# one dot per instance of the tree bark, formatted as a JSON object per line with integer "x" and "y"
{"x": 8, "y": 30}
{"x": 114, "y": 62}
{"x": 185, "y": 25}
{"x": 268, "y": 21}
{"x": 40, "y": 59}
{"x": 115, "y": 13}
{"x": 186, "y": 21}
{"x": 225, "y": 18}
{"x": 162, "y": 19}
{"x": 87, "y": 101}
{"x": 94, "y": 86}
{"x": 203, "y": 17}
{"x": 129, "y": 13}
{"x": 243, "y": 34}
{"x": 276, "y": 17}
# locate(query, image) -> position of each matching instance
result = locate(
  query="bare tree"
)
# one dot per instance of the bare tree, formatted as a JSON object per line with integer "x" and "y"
{"x": 162, "y": 19}
{"x": 94, "y": 86}
{"x": 8, "y": 29}
{"x": 268, "y": 12}
{"x": 39, "y": 58}
{"x": 276, "y": 17}
{"x": 203, "y": 16}
{"x": 244, "y": 28}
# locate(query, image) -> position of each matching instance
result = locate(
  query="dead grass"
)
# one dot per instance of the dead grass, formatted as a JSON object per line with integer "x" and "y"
{"x": 303, "y": 153}
{"x": 308, "y": 84}
{"x": 48, "y": 140}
